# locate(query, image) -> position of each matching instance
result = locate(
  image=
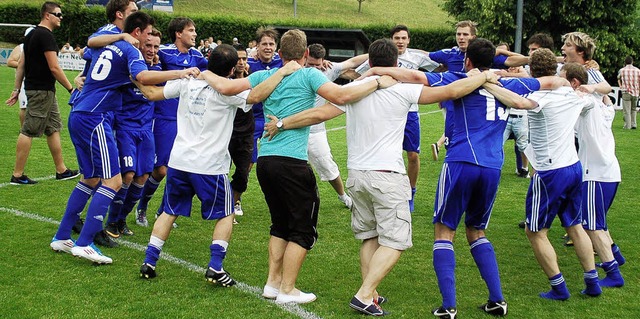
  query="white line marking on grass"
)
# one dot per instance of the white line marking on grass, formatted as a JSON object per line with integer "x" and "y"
{"x": 44, "y": 178}
{"x": 343, "y": 127}
{"x": 255, "y": 291}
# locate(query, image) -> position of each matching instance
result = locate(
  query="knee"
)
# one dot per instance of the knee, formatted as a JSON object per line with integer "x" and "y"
{"x": 413, "y": 157}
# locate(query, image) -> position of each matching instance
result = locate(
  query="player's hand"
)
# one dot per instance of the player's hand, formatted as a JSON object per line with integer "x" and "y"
{"x": 129, "y": 38}
{"x": 592, "y": 64}
{"x": 491, "y": 77}
{"x": 14, "y": 98}
{"x": 326, "y": 64}
{"x": 290, "y": 67}
{"x": 387, "y": 81}
{"x": 190, "y": 72}
{"x": 370, "y": 72}
{"x": 586, "y": 88}
{"x": 270, "y": 127}
{"x": 473, "y": 72}
{"x": 79, "y": 82}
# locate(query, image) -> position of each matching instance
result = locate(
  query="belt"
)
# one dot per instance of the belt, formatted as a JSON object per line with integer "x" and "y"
{"x": 385, "y": 171}
{"x": 516, "y": 116}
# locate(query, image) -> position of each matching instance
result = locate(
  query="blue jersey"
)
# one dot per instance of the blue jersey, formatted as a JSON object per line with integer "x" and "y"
{"x": 109, "y": 71}
{"x": 172, "y": 59}
{"x": 257, "y": 65}
{"x": 137, "y": 112}
{"x": 479, "y": 121}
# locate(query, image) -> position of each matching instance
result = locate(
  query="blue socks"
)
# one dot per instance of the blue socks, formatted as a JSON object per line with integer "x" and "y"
{"x": 133, "y": 195}
{"x": 218, "y": 252}
{"x": 95, "y": 214}
{"x": 614, "y": 277}
{"x": 617, "y": 254}
{"x": 115, "y": 210}
{"x": 75, "y": 205}
{"x": 485, "y": 258}
{"x": 152, "y": 254}
{"x": 591, "y": 281}
{"x": 148, "y": 190}
{"x": 558, "y": 290}
{"x": 444, "y": 264}
{"x": 413, "y": 194}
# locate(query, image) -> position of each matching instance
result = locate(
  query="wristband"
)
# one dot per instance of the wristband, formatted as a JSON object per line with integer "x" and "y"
{"x": 70, "y": 90}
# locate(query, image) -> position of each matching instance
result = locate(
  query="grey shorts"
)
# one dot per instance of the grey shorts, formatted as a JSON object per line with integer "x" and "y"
{"x": 43, "y": 116}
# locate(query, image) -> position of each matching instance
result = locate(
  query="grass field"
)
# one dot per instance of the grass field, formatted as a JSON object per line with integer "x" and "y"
{"x": 38, "y": 283}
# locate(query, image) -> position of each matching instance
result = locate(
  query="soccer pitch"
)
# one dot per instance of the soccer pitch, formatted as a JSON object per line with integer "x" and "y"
{"x": 38, "y": 283}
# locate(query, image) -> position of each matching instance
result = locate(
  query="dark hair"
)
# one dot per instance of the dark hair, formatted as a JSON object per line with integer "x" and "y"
{"x": 48, "y": 7}
{"x": 237, "y": 46}
{"x": 266, "y": 32}
{"x": 114, "y": 6}
{"x": 317, "y": 51}
{"x": 398, "y": 28}
{"x": 383, "y": 52}
{"x": 481, "y": 52}
{"x": 178, "y": 25}
{"x": 542, "y": 39}
{"x": 628, "y": 60}
{"x": 543, "y": 63}
{"x": 137, "y": 19}
{"x": 575, "y": 71}
{"x": 222, "y": 59}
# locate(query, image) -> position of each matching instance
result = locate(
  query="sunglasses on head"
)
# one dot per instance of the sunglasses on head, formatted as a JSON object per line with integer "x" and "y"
{"x": 57, "y": 14}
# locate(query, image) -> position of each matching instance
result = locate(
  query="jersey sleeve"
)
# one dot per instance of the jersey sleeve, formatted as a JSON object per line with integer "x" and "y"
{"x": 258, "y": 77}
{"x": 240, "y": 101}
{"x": 49, "y": 43}
{"x": 499, "y": 62}
{"x": 521, "y": 86}
{"x": 364, "y": 67}
{"x": 135, "y": 61}
{"x": 172, "y": 89}
{"x": 438, "y": 56}
{"x": 316, "y": 79}
{"x": 333, "y": 73}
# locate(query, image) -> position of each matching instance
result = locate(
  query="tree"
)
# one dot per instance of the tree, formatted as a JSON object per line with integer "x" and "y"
{"x": 611, "y": 23}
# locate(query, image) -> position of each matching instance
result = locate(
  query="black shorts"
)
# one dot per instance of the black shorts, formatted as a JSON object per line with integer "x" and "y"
{"x": 241, "y": 149}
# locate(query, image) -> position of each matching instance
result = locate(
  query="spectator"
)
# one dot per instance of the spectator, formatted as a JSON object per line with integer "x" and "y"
{"x": 629, "y": 82}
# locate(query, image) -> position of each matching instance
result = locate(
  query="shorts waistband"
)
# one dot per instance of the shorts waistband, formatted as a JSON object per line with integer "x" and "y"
{"x": 516, "y": 116}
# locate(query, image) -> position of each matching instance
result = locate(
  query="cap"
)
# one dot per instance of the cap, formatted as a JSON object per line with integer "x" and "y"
{"x": 235, "y": 39}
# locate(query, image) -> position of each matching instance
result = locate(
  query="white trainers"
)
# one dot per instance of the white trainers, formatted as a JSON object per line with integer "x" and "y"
{"x": 92, "y": 253}
{"x": 63, "y": 245}
{"x": 269, "y": 292}
{"x": 303, "y": 297}
{"x": 237, "y": 208}
{"x": 346, "y": 200}
{"x": 141, "y": 218}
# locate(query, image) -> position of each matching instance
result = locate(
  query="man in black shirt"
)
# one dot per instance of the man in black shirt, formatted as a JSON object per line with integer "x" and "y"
{"x": 40, "y": 69}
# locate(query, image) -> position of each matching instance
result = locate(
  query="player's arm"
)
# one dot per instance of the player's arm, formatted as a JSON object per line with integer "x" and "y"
{"x": 552, "y": 82}
{"x": 516, "y": 60}
{"x": 262, "y": 91}
{"x": 156, "y": 77}
{"x": 347, "y": 94}
{"x": 14, "y": 57}
{"x": 400, "y": 74}
{"x": 106, "y": 39}
{"x": 509, "y": 98}
{"x": 17, "y": 83}
{"x": 56, "y": 70}
{"x": 301, "y": 119}
{"x": 151, "y": 92}
{"x": 224, "y": 85}
{"x": 456, "y": 89}
{"x": 355, "y": 61}
{"x": 602, "y": 88}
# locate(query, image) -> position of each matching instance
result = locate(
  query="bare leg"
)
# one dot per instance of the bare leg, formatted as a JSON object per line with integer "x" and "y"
{"x": 23, "y": 147}
{"x": 163, "y": 225}
{"x": 544, "y": 252}
{"x": 223, "y": 229}
{"x": 381, "y": 263}
{"x": 277, "y": 248}
{"x": 294, "y": 256}
{"x": 53, "y": 141}
{"x": 413, "y": 168}
{"x": 583, "y": 247}
{"x": 601, "y": 243}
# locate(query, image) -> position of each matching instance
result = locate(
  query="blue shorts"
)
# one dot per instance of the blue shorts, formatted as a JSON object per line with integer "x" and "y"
{"x": 95, "y": 145}
{"x": 257, "y": 134}
{"x": 164, "y": 134}
{"x": 213, "y": 191}
{"x": 136, "y": 149}
{"x": 554, "y": 192}
{"x": 465, "y": 187}
{"x": 597, "y": 198}
{"x": 411, "y": 142}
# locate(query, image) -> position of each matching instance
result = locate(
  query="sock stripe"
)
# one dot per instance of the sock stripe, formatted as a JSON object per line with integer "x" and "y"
{"x": 106, "y": 192}
{"x": 84, "y": 188}
{"x": 448, "y": 246}
{"x": 479, "y": 241}
{"x": 557, "y": 281}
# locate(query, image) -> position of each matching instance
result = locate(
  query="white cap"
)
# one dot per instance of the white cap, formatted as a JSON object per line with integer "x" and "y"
{"x": 28, "y": 30}
{"x": 235, "y": 39}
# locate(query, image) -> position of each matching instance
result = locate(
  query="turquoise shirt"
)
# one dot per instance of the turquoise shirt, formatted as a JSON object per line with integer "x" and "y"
{"x": 296, "y": 93}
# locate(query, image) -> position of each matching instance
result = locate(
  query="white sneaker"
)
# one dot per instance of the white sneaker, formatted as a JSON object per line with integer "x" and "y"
{"x": 346, "y": 200}
{"x": 269, "y": 292}
{"x": 63, "y": 245}
{"x": 237, "y": 208}
{"x": 304, "y": 297}
{"x": 92, "y": 253}
{"x": 141, "y": 218}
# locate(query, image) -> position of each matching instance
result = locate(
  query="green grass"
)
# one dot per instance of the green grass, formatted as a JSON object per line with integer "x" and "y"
{"x": 37, "y": 283}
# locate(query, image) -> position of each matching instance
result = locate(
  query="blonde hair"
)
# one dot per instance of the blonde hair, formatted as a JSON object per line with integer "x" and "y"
{"x": 293, "y": 45}
{"x": 543, "y": 63}
{"x": 468, "y": 23}
{"x": 583, "y": 43}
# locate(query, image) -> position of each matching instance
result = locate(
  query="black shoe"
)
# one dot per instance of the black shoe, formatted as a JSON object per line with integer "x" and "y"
{"x": 68, "y": 174}
{"x": 445, "y": 313}
{"x": 22, "y": 180}
{"x": 221, "y": 278}
{"x": 124, "y": 229}
{"x": 372, "y": 310}
{"x": 524, "y": 173}
{"x": 495, "y": 308}
{"x": 522, "y": 224}
{"x": 112, "y": 230}
{"x": 77, "y": 227}
{"x": 147, "y": 271}
{"x": 102, "y": 239}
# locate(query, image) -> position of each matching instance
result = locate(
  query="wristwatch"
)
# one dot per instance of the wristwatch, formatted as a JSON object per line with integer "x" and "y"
{"x": 280, "y": 125}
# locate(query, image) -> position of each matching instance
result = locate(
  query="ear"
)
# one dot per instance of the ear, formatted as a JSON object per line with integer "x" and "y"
{"x": 306, "y": 53}
{"x": 119, "y": 15}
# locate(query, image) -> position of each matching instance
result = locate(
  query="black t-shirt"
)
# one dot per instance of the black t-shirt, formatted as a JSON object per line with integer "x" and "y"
{"x": 243, "y": 123}
{"x": 37, "y": 73}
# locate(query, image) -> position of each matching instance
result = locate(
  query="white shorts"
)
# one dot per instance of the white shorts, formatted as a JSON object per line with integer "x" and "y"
{"x": 320, "y": 157}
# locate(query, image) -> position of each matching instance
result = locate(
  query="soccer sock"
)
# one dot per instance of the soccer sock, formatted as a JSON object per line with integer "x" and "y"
{"x": 413, "y": 194}
{"x": 75, "y": 205}
{"x": 558, "y": 290}
{"x": 95, "y": 214}
{"x": 614, "y": 277}
{"x": 115, "y": 209}
{"x": 485, "y": 258}
{"x": 617, "y": 254}
{"x": 444, "y": 263}
{"x": 152, "y": 254}
{"x": 148, "y": 190}
{"x": 133, "y": 195}
{"x": 591, "y": 281}
{"x": 218, "y": 252}
{"x": 518, "y": 156}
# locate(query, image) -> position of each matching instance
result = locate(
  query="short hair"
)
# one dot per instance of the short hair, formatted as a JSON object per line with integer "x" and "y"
{"x": 468, "y": 23}
{"x": 48, "y": 7}
{"x": 137, "y": 19}
{"x": 481, "y": 53}
{"x": 114, "y": 6}
{"x": 505, "y": 44}
{"x": 398, "y": 28}
{"x": 383, "y": 52}
{"x": 237, "y": 46}
{"x": 293, "y": 45}
{"x": 156, "y": 33}
{"x": 542, "y": 39}
{"x": 576, "y": 71}
{"x": 543, "y": 63}
{"x": 317, "y": 51}
{"x": 583, "y": 43}
{"x": 628, "y": 60}
{"x": 222, "y": 59}
{"x": 177, "y": 25}
{"x": 266, "y": 32}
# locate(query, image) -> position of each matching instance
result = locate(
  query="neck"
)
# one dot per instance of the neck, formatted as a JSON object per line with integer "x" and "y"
{"x": 119, "y": 24}
{"x": 181, "y": 47}
{"x": 45, "y": 24}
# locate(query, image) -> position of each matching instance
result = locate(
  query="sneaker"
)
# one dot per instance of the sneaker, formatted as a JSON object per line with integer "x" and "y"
{"x": 147, "y": 271}
{"x": 237, "y": 208}
{"x": 372, "y": 309}
{"x": 381, "y": 300}
{"x": 346, "y": 200}
{"x": 495, "y": 308}
{"x": 22, "y": 180}
{"x": 102, "y": 239}
{"x": 523, "y": 173}
{"x": 63, "y": 245}
{"x": 112, "y": 230}
{"x": 92, "y": 253}
{"x": 123, "y": 229}
{"x": 221, "y": 278}
{"x": 141, "y": 218}
{"x": 68, "y": 174}
{"x": 442, "y": 312}
{"x": 269, "y": 292}
{"x": 567, "y": 240}
{"x": 434, "y": 151}
{"x": 235, "y": 222}
{"x": 522, "y": 224}
{"x": 303, "y": 297}
{"x": 77, "y": 227}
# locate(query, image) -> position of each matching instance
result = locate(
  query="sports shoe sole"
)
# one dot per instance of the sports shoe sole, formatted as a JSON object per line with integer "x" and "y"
{"x": 68, "y": 177}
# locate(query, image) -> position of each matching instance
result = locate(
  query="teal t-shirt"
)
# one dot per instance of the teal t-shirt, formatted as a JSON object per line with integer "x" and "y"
{"x": 296, "y": 93}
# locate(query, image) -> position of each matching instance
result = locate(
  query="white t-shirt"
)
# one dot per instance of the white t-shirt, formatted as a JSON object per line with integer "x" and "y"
{"x": 551, "y": 124}
{"x": 205, "y": 123}
{"x": 597, "y": 150}
{"x": 375, "y": 127}
{"x": 332, "y": 74}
